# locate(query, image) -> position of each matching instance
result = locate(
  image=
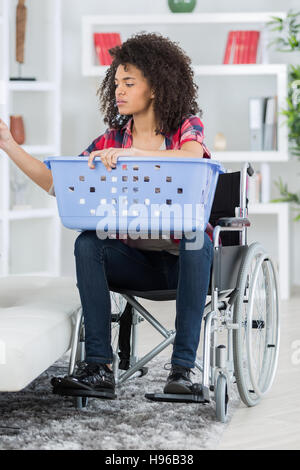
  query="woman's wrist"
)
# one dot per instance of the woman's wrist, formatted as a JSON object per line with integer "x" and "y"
{"x": 9, "y": 146}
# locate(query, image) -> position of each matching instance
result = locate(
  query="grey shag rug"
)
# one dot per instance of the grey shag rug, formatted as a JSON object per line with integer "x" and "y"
{"x": 36, "y": 419}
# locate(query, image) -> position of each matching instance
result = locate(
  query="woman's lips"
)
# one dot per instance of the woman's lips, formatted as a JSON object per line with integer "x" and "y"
{"x": 119, "y": 103}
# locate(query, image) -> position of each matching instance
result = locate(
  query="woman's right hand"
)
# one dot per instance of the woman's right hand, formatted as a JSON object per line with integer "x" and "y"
{"x": 5, "y": 135}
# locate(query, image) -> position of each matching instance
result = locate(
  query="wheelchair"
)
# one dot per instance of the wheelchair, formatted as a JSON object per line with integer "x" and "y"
{"x": 242, "y": 305}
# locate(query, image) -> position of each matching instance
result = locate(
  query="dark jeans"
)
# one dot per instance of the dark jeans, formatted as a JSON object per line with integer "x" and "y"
{"x": 100, "y": 263}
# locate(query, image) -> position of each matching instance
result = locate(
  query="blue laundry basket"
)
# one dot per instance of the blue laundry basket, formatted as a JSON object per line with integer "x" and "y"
{"x": 142, "y": 194}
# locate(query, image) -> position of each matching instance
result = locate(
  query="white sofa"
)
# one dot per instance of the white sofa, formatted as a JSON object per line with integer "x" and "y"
{"x": 37, "y": 315}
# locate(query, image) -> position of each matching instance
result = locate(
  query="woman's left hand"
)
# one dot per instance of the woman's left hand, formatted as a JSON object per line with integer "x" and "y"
{"x": 110, "y": 156}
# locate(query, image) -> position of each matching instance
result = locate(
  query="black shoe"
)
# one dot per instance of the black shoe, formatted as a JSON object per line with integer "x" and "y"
{"x": 90, "y": 380}
{"x": 179, "y": 380}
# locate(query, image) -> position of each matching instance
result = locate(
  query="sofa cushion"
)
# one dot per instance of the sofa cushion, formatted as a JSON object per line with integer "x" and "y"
{"x": 36, "y": 320}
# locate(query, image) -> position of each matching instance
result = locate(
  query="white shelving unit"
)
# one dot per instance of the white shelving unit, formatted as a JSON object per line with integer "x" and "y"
{"x": 30, "y": 239}
{"x": 282, "y": 213}
{"x": 92, "y": 23}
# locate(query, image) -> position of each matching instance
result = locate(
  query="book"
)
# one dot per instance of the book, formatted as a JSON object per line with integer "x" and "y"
{"x": 270, "y": 124}
{"x": 256, "y": 122}
{"x": 103, "y": 42}
{"x": 229, "y": 48}
{"x": 237, "y": 47}
{"x": 241, "y": 47}
{"x": 253, "y": 46}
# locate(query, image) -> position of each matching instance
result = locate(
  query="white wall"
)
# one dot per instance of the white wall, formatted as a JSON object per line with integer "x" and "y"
{"x": 82, "y": 121}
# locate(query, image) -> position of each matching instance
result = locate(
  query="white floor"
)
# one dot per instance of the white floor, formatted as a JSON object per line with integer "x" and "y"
{"x": 275, "y": 422}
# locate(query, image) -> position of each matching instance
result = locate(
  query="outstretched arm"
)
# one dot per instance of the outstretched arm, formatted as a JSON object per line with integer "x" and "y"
{"x": 32, "y": 167}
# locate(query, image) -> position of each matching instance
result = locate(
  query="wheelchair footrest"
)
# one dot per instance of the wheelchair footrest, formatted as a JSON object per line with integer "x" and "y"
{"x": 201, "y": 396}
{"x": 73, "y": 392}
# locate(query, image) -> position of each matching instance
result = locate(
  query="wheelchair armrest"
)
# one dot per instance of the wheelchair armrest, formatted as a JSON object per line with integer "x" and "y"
{"x": 233, "y": 222}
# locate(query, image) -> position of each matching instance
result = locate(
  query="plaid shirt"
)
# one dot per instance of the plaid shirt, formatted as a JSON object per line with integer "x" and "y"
{"x": 191, "y": 129}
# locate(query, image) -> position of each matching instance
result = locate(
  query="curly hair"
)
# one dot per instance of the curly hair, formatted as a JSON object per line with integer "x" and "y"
{"x": 169, "y": 73}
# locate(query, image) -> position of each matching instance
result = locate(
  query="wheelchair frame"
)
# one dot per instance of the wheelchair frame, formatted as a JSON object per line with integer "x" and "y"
{"x": 218, "y": 366}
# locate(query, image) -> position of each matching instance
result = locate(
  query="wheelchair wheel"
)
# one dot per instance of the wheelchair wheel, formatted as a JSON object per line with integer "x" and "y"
{"x": 256, "y": 311}
{"x": 118, "y": 303}
{"x": 221, "y": 398}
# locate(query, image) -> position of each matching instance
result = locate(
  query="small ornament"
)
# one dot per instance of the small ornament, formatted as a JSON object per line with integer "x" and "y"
{"x": 220, "y": 143}
{"x": 17, "y": 129}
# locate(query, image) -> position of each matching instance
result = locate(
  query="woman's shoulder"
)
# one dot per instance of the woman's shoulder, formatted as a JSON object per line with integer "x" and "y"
{"x": 110, "y": 138}
{"x": 191, "y": 120}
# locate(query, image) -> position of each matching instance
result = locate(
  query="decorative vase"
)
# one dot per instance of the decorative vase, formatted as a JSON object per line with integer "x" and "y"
{"x": 17, "y": 129}
{"x": 19, "y": 185}
{"x": 182, "y": 6}
{"x": 220, "y": 143}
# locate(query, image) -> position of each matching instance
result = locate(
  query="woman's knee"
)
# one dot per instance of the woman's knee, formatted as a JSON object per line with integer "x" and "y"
{"x": 199, "y": 246}
{"x": 87, "y": 242}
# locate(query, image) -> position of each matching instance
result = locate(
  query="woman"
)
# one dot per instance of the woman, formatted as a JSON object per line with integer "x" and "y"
{"x": 148, "y": 99}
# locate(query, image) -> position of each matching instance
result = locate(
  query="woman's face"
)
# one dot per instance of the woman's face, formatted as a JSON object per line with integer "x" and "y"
{"x": 132, "y": 91}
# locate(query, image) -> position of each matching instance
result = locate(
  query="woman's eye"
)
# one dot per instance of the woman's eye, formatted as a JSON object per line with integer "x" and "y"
{"x": 127, "y": 84}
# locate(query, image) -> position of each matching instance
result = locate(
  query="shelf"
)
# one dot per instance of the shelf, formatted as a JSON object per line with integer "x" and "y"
{"x": 31, "y": 86}
{"x": 40, "y": 149}
{"x": 268, "y": 208}
{"x": 238, "y": 69}
{"x": 36, "y": 274}
{"x": 32, "y": 214}
{"x": 249, "y": 156}
{"x": 183, "y": 18}
{"x": 30, "y": 238}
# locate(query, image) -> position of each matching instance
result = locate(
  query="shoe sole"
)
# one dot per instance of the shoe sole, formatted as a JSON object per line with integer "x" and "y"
{"x": 64, "y": 382}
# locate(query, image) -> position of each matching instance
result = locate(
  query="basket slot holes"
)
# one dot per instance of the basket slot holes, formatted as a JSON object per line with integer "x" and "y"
{"x": 124, "y": 167}
{"x": 135, "y": 168}
{"x": 124, "y": 189}
{"x": 169, "y": 201}
{"x": 114, "y": 179}
{"x": 179, "y": 190}
{"x": 157, "y": 167}
{"x": 71, "y": 188}
{"x": 147, "y": 202}
{"x": 103, "y": 178}
{"x": 124, "y": 178}
{"x": 146, "y": 179}
{"x": 114, "y": 201}
{"x": 113, "y": 189}
{"x": 82, "y": 201}
{"x": 157, "y": 190}
{"x": 135, "y": 201}
{"x": 92, "y": 189}
{"x": 124, "y": 212}
{"x": 135, "y": 178}
{"x": 169, "y": 179}
{"x": 81, "y": 178}
{"x": 135, "y": 189}
{"x": 102, "y": 201}
{"x": 92, "y": 211}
